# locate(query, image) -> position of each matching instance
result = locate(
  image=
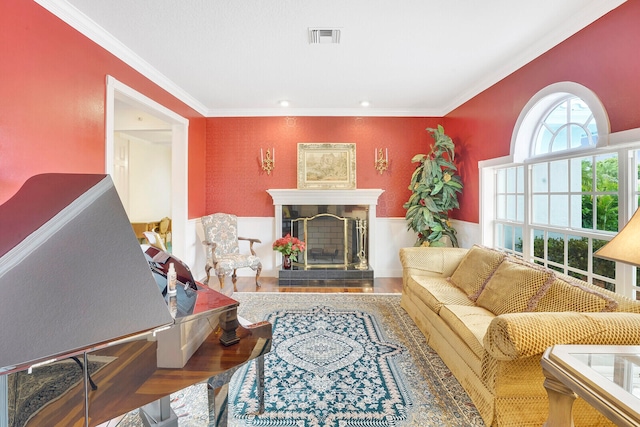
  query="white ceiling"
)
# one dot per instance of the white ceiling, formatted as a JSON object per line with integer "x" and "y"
{"x": 406, "y": 57}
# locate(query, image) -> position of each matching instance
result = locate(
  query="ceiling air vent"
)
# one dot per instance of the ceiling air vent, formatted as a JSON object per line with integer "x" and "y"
{"x": 324, "y": 35}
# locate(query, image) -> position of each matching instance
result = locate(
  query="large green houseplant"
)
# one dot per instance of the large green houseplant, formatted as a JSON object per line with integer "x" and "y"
{"x": 435, "y": 186}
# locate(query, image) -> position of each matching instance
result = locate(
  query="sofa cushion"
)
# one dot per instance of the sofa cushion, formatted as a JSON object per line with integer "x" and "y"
{"x": 572, "y": 295}
{"x": 436, "y": 292}
{"x": 475, "y": 269}
{"x": 516, "y": 286}
{"x": 470, "y": 323}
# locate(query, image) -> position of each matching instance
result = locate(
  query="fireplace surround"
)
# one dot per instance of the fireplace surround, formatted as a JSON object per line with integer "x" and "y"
{"x": 329, "y": 200}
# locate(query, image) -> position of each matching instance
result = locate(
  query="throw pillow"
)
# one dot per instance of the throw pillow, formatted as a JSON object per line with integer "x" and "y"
{"x": 477, "y": 266}
{"x": 515, "y": 287}
{"x": 572, "y": 295}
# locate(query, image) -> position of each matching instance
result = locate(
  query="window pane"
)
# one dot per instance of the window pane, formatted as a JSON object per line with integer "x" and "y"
{"x": 560, "y": 141}
{"x": 578, "y": 252}
{"x": 539, "y": 178}
{"x": 520, "y": 177}
{"x": 576, "y": 175}
{"x": 500, "y": 182}
{"x": 607, "y": 213}
{"x": 555, "y": 244}
{"x": 559, "y": 211}
{"x": 578, "y": 276}
{"x": 557, "y": 117}
{"x": 603, "y": 267}
{"x": 579, "y": 137}
{"x": 499, "y": 235}
{"x": 511, "y": 180}
{"x": 540, "y": 209}
{"x": 607, "y": 173}
{"x": 579, "y": 111}
{"x": 558, "y": 176}
{"x": 587, "y": 174}
{"x": 587, "y": 212}
{"x": 508, "y": 237}
{"x": 518, "y": 239}
{"x": 576, "y": 212}
{"x": 511, "y": 207}
{"x": 501, "y": 206}
{"x": 520, "y": 209}
{"x": 538, "y": 243}
{"x": 543, "y": 141}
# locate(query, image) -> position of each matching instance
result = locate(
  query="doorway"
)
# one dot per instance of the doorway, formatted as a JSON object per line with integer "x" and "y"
{"x": 162, "y": 139}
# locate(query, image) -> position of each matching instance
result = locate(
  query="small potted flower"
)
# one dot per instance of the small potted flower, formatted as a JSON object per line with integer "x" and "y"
{"x": 289, "y": 247}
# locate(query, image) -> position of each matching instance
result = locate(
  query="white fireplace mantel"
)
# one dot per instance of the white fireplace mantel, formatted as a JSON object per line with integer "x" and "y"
{"x": 368, "y": 197}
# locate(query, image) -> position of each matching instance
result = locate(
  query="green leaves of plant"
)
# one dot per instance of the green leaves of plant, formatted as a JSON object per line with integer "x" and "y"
{"x": 434, "y": 186}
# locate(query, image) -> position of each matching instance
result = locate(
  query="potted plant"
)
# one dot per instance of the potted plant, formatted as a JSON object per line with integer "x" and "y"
{"x": 435, "y": 186}
{"x": 289, "y": 247}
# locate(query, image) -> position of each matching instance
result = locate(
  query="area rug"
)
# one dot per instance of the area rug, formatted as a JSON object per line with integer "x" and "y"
{"x": 28, "y": 393}
{"x": 337, "y": 360}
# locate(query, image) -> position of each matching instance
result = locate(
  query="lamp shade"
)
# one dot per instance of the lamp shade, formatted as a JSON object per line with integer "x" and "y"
{"x": 625, "y": 246}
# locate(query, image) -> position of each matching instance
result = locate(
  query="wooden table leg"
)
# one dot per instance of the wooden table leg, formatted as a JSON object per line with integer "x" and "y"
{"x": 561, "y": 400}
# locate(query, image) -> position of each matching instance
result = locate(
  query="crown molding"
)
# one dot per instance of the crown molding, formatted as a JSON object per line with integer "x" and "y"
{"x": 322, "y": 112}
{"x": 82, "y": 23}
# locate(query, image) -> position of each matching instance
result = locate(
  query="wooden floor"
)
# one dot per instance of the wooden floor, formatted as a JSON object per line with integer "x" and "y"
{"x": 270, "y": 284}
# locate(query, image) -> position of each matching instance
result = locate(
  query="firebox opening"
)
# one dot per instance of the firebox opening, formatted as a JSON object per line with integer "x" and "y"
{"x": 331, "y": 236}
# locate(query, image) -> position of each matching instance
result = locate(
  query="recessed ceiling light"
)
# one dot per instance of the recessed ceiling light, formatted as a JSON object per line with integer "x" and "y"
{"x": 364, "y": 103}
{"x": 283, "y": 103}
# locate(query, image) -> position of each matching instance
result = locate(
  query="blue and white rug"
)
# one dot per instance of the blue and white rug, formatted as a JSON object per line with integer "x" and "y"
{"x": 343, "y": 360}
{"x": 327, "y": 367}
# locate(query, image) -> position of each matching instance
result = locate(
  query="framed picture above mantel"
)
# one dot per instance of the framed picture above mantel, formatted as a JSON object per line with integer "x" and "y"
{"x": 327, "y": 166}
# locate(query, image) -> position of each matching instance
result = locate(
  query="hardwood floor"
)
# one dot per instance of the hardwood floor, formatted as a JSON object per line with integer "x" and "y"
{"x": 270, "y": 284}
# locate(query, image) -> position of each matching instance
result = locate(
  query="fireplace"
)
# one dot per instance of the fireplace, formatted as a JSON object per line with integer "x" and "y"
{"x": 334, "y": 221}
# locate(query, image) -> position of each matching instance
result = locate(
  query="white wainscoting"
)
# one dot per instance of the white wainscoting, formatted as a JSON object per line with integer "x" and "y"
{"x": 391, "y": 235}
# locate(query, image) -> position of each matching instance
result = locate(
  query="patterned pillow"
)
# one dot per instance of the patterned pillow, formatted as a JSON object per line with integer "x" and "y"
{"x": 572, "y": 295}
{"x": 477, "y": 266}
{"x": 515, "y": 287}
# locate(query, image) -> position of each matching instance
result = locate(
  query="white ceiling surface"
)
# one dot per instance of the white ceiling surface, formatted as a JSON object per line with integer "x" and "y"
{"x": 406, "y": 57}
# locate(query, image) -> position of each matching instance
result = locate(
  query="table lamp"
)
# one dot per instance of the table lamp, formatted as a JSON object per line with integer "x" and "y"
{"x": 625, "y": 246}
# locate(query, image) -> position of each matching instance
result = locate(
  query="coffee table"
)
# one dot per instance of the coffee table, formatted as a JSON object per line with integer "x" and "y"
{"x": 607, "y": 377}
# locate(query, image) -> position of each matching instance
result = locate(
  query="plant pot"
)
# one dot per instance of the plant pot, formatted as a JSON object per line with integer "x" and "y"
{"x": 286, "y": 262}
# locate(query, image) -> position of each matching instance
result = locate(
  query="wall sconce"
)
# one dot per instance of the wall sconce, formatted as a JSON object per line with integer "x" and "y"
{"x": 381, "y": 162}
{"x": 268, "y": 161}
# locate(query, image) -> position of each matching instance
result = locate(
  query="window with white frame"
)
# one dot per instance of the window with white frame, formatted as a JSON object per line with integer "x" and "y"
{"x": 559, "y": 198}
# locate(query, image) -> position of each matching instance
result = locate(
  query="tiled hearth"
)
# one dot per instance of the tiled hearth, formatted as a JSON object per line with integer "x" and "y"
{"x": 326, "y": 277}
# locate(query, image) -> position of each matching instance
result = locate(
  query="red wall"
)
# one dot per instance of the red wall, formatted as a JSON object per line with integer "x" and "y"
{"x": 52, "y": 89}
{"x": 52, "y": 101}
{"x": 604, "y": 57}
{"x": 237, "y": 184}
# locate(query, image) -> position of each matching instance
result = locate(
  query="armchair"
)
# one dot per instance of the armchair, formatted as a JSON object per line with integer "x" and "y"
{"x": 222, "y": 248}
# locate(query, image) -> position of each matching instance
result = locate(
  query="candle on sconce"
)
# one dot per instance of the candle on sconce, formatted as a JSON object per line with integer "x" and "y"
{"x": 386, "y": 154}
{"x": 261, "y": 156}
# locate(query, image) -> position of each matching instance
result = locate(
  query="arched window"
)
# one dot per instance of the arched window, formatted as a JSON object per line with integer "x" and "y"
{"x": 569, "y": 125}
{"x": 559, "y": 196}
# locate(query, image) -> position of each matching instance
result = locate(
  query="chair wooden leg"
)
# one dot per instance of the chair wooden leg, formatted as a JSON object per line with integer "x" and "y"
{"x": 258, "y": 271}
{"x": 221, "y": 280}
{"x": 207, "y": 269}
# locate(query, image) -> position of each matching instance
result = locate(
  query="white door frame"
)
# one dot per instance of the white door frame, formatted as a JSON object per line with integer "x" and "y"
{"x": 179, "y": 154}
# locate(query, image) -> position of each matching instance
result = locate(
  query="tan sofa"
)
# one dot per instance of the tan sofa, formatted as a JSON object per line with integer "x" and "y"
{"x": 491, "y": 317}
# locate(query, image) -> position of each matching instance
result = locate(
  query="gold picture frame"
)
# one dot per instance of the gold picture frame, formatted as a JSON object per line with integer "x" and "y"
{"x": 326, "y": 166}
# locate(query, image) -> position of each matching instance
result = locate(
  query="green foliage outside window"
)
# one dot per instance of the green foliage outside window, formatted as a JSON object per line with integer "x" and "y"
{"x": 607, "y": 204}
{"x": 577, "y": 257}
